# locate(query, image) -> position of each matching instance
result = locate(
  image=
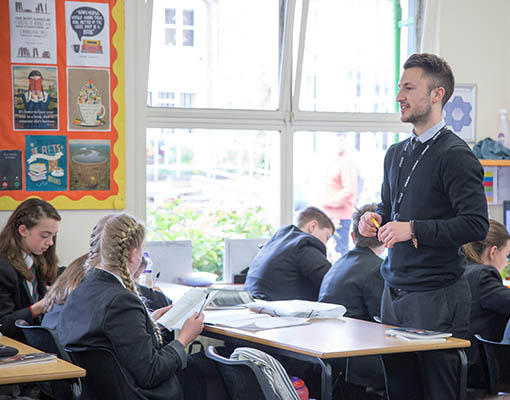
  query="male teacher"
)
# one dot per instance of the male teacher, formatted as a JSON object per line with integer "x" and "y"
{"x": 432, "y": 202}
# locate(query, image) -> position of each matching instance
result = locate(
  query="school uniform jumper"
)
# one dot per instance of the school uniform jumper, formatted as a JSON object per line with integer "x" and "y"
{"x": 102, "y": 313}
{"x": 424, "y": 286}
{"x": 490, "y": 310}
{"x": 289, "y": 266}
{"x": 15, "y": 299}
{"x": 355, "y": 281}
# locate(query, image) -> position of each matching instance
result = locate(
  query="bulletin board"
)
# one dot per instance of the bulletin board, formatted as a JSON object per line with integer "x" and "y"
{"x": 62, "y": 109}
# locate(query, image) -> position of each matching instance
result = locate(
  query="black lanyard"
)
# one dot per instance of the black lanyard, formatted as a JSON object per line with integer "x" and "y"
{"x": 403, "y": 190}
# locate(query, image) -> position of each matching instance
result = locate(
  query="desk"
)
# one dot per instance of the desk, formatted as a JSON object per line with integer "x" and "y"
{"x": 324, "y": 340}
{"x": 35, "y": 373}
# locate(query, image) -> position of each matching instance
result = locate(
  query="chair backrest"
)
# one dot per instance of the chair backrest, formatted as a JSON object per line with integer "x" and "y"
{"x": 239, "y": 254}
{"x": 46, "y": 340}
{"x": 496, "y": 363}
{"x": 105, "y": 378}
{"x": 171, "y": 258}
{"x": 243, "y": 379}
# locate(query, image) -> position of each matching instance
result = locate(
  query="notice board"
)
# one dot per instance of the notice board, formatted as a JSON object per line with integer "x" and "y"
{"x": 62, "y": 109}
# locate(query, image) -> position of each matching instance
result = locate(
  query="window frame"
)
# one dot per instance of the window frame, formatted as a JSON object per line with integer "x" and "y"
{"x": 287, "y": 119}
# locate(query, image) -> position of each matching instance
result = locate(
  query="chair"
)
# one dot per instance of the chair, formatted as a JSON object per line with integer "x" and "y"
{"x": 243, "y": 379}
{"x": 105, "y": 378}
{"x": 44, "y": 339}
{"x": 496, "y": 363}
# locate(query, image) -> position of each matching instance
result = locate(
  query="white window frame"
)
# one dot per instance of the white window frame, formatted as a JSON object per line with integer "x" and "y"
{"x": 287, "y": 119}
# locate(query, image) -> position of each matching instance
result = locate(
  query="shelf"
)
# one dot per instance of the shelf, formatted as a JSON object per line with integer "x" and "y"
{"x": 495, "y": 163}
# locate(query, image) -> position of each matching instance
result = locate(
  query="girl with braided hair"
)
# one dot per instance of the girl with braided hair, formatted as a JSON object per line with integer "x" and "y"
{"x": 106, "y": 312}
{"x": 28, "y": 262}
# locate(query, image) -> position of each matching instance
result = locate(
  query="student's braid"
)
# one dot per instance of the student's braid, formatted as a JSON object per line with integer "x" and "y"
{"x": 94, "y": 257}
{"x": 125, "y": 234}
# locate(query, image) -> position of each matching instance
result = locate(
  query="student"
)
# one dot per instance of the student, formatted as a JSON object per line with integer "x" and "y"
{"x": 292, "y": 263}
{"x": 27, "y": 263}
{"x": 105, "y": 311}
{"x": 432, "y": 202}
{"x": 53, "y": 301}
{"x": 490, "y": 300}
{"x": 154, "y": 298}
{"x": 355, "y": 281}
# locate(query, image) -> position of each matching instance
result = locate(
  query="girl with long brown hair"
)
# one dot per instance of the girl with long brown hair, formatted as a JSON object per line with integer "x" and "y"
{"x": 28, "y": 262}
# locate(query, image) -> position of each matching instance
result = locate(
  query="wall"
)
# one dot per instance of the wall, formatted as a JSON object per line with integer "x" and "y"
{"x": 474, "y": 38}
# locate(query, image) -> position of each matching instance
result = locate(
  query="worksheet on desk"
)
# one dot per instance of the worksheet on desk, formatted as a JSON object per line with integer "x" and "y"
{"x": 243, "y": 319}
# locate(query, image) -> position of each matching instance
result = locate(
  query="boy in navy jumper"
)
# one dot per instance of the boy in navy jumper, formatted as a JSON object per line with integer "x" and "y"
{"x": 432, "y": 202}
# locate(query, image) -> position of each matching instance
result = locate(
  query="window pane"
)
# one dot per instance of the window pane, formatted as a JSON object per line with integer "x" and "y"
{"x": 188, "y": 17}
{"x": 344, "y": 170}
{"x": 170, "y": 16}
{"x": 207, "y": 185}
{"x": 187, "y": 37}
{"x": 349, "y": 56}
{"x": 170, "y": 37}
{"x": 228, "y": 59}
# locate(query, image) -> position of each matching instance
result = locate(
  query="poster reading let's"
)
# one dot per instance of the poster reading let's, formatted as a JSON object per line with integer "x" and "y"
{"x": 62, "y": 115}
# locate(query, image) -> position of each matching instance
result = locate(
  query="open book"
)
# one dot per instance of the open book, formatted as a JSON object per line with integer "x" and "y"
{"x": 298, "y": 308}
{"x": 246, "y": 320}
{"x": 27, "y": 359}
{"x": 414, "y": 334}
{"x": 196, "y": 300}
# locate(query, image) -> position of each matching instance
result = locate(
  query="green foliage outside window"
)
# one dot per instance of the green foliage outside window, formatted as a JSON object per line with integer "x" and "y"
{"x": 207, "y": 227}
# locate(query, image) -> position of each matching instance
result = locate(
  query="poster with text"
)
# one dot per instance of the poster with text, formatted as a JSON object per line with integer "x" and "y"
{"x": 88, "y": 96}
{"x": 35, "y": 97}
{"x": 10, "y": 170}
{"x": 89, "y": 164}
{"x": 87, "y": 34}
{"x": 33, "y": 31}
{"x": 46, "y": 163}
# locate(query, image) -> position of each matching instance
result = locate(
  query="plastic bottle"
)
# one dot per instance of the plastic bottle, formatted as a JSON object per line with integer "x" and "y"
{"x": 145, "y": 278}
{"x": 504, "y": 130}
{"x": 300, "y": 387}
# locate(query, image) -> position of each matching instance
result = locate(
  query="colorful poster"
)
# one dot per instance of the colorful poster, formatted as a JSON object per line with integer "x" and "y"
{"x": 33, "y": 31}
{"x": 88, "y": 96}
{"x": 10, "y": 170}
{"x": 87, "y": 34}
{"x": 89, "y": 164}
{"x": 35, "y": 97}
{"x": 490, "y": 184}
{"x": 46, "y": 163}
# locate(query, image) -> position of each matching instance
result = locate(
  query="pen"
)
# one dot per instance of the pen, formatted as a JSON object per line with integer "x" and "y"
{"x": 203, "y": 304}
{"x": 155, "y": 280}
{"x": 375, "y": 223}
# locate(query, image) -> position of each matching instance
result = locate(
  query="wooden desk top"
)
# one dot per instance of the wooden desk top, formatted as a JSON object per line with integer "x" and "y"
{"x": 331, "y": 338}
{"x": 35, "y": 373}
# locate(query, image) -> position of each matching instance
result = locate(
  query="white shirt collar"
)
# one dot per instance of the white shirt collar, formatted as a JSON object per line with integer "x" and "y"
{"x": 429, "y": 133}
{"x": 28, "y": 259}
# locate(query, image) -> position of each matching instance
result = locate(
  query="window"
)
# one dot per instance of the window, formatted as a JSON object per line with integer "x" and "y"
{"x": 170, "y": 37}
{"x": 258, "y": 111}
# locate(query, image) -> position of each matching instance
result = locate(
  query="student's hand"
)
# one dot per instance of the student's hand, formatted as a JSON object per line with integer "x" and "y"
{"x": 157, "y": 314}
{"x": 191, "y": 329}
{"x": 37, "y": 308}
{"x": 157, "y": 288}
{"x": 394, "y": 232}
{"x": 366, "y": 226}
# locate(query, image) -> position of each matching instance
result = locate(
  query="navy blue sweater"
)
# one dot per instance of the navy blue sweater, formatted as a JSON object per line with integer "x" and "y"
{"x": 446, "y": 199}
{"x": 290, "y": 266}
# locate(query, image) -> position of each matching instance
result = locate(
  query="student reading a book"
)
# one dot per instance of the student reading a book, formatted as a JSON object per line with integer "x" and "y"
{"x": 490, "y": 300}
{"x": 28, "y": 262}
{"x": 432, "y": 202}
{"x": 105, "y": 311}
{"x": 293, "y": 262}
{"x": 355, "y": 281}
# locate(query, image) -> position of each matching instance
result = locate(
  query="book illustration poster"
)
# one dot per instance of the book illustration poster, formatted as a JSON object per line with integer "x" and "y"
{"x": 35, "y": 97}
{"x": 87, "y": 34}
{"x": 89, "y": 164}
{"x": 10, "y": 170}
{"x": 88, "y": 94}
{"x": 33, "y": 31}
{"x": 46, "y": 163}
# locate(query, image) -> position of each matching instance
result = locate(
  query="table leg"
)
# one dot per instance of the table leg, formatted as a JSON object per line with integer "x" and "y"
{"x": 326, "y": 379}
{"x": 463, "y": 374}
